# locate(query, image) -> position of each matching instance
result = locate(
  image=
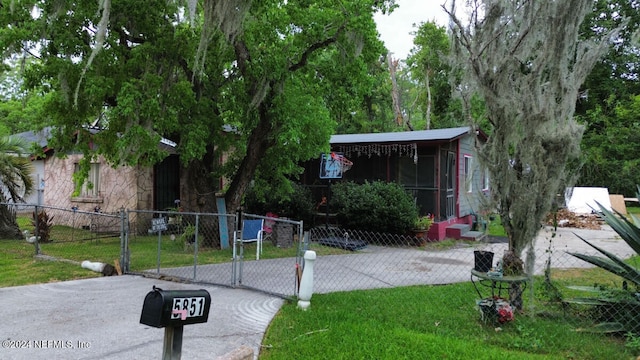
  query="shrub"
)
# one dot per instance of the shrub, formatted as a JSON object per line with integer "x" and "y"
{"x": 374, "y": 206}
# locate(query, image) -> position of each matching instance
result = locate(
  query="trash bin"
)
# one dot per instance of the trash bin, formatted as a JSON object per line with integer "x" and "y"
{"x": 483, "y": 260}
{"x": 283, "y": 235}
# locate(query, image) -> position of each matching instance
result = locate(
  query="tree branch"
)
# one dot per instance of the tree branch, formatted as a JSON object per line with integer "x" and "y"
{"x": 319, "y": 45}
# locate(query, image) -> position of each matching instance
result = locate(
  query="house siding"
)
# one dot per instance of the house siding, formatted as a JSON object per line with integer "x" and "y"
{"x": 35, "y": 197}
{"x": 469, "y": 203}
{"x": 121, "y": 187}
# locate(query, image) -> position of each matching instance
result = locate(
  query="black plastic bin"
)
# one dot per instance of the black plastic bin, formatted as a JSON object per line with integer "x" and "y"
{"x": 483, "y": 260}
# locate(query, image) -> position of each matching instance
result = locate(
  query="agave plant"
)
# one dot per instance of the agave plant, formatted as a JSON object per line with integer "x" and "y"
{"x": 621, "y": 312}
{"x": 630, "y": 233}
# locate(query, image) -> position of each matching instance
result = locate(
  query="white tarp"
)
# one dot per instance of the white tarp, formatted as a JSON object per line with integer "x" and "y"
{"x": 582, "y": 200}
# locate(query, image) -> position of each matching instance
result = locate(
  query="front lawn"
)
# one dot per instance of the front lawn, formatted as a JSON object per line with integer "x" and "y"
{"x": 424, "y": 322}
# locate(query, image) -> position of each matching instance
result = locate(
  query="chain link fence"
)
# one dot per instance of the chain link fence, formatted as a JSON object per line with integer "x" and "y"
{"x": 216, "y": 249}
{"x": 209, "y": 248}
{"x": 71, "y": 234}
{"x": 388, "y": 260}
{"x": 181, "y": 245}
{"x": 561, "y": 284}
{"x": 276, "y": 266}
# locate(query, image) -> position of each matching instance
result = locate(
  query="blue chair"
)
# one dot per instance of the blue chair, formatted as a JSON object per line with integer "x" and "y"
{"x": 253, "y": 231}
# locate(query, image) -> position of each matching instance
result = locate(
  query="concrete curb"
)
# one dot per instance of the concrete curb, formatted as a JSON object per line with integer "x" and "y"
{"x": 241, "y": 353}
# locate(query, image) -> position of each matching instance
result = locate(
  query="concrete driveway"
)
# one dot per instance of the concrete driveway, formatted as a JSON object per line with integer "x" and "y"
{"x": 100, "y": 319}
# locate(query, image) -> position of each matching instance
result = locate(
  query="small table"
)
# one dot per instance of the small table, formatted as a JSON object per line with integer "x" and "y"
{"x": 497, "y": 282}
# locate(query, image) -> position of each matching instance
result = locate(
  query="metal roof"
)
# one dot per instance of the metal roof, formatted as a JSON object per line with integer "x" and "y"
{"x": 41, "y": 137}
{"x": 401, "y": 137}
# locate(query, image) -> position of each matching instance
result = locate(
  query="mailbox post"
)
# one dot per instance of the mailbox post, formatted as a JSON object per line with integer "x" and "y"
{"x": 171, "y": 310}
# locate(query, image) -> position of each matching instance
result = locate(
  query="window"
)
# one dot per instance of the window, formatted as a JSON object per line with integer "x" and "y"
{"x": 485, "y": 180}
{"x": 91, "y": 186}
{"x": 468, "y": 173}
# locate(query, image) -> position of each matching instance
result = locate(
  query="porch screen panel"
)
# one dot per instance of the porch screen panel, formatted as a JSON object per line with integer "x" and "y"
{"x": 426, "y": 200}
{"x": 426, "y": 171}
{"x": 407, "y": 172}
{"x": 367, "y": 169}
{"x": 379, "y": 168}
{"x": 421, "y": 174}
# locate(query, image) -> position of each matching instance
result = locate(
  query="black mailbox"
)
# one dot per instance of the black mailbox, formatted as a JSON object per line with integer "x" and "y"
{"x": 172, "y": 308}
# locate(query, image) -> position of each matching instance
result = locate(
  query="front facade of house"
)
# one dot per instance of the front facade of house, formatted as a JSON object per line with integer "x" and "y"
{"x": 108, "y": 189}
{"x": 438, "y": 167}
{"x": 111, "y": 188}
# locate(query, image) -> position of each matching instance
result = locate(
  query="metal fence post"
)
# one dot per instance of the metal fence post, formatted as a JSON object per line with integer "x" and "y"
{"x": 124, "y": 240}
{"x": 195, "y": 248}
{"x": 36, "y": 220}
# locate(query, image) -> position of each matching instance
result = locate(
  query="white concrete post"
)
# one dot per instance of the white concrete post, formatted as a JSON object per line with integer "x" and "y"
{"x": 306, "y": 283}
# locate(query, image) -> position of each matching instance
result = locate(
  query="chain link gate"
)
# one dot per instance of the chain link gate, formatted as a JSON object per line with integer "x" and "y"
{"x": 182, "y": 246}
{"x": 271, "y": 261}
{"x": 206, "y": 248}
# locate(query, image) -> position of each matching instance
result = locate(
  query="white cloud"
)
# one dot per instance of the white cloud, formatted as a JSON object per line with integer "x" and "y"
{"x": 395, "y": 29}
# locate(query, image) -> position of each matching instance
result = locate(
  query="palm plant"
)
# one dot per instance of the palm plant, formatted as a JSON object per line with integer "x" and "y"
{"x": 15, "y": 182}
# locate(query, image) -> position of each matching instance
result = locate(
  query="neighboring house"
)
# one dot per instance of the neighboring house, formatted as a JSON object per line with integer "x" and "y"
{"x": 111, "y": 189}
{"x": 439, "y": 167}
{"x": 40, "y": 138}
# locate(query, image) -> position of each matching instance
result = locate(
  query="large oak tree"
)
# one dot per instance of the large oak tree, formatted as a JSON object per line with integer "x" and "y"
{"x": 265, "y": 81}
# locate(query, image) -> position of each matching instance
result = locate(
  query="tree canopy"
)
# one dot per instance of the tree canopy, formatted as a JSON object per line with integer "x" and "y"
{"x": 264, "y": 81}
{"x": 429, "y": 68}
{"x": 608, "y": 105}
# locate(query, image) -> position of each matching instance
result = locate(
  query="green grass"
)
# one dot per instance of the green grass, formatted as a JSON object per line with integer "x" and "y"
{"x": 495, "y": 228}
{"x": 633, "y": 209}
{"x": 20, "y": 267}
{"x": 424, "y": 322}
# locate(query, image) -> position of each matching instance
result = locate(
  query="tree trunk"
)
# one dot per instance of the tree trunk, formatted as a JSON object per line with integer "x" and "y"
{"x": 395, "y": 92}
{"x": 258, "y": 144}
{"x": 428, "y": 115}
{"x": 197, "y": 194}
{"x": 9, "y": 228}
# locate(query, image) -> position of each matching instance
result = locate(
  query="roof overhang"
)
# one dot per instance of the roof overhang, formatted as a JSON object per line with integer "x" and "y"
{"x": 437, "y": 135}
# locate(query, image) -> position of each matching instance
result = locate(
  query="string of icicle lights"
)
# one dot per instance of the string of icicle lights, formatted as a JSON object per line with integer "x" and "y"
{"x": 410, "y": 150}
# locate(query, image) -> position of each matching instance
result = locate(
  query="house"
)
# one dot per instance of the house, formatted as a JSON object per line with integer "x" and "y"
{"x": 108, "y": 189}
{"x": 439, "y": 167}
{"x": 36, "y": 196}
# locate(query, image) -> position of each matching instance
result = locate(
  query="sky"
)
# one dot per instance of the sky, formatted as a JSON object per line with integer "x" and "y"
{"x": 394, "y": 29}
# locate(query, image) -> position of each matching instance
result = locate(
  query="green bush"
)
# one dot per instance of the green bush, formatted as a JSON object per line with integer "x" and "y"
{"x": 297, "y": 205}
{"x": 374, "y": 206}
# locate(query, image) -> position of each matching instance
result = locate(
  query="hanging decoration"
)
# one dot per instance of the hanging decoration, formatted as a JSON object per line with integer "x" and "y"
{"x": 410, "y": 150}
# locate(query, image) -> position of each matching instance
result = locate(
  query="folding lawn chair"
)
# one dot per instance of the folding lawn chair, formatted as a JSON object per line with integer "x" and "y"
{"x": 253, "y": 231}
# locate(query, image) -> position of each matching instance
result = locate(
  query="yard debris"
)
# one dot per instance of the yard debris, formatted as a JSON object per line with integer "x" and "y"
{"x": 105, "y": 269}
{"x": 570, "y": 219}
